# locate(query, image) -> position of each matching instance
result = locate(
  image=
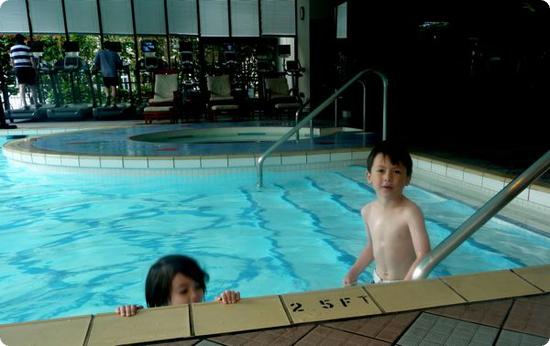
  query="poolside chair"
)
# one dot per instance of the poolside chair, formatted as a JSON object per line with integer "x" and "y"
{"x": 221, "y": 99}
{"x": 163, "y": 105}
{"x": 280, "y": 100}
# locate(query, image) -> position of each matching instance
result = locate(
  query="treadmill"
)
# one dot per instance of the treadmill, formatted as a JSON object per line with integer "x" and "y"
{"x": 74, "y": 69}
{"x": 4, "y": 101}
{"x": 33, "y": 113}
{"x": 123, "y": 110}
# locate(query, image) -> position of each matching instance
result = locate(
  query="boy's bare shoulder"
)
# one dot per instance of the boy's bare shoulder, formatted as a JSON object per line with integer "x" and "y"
{"x": 366, "y": 208}
{"x": 412, "y": 208}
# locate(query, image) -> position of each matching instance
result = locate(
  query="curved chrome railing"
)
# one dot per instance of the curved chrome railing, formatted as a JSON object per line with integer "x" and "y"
{"x": 481, "y": 216}
{"x": 317, "y": 111}
{"x": 297, "y": 116}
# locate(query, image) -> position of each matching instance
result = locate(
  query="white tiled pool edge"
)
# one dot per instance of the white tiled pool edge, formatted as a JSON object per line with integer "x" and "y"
{"x": 475, "y": 187}
{"x": 472, "y": 179}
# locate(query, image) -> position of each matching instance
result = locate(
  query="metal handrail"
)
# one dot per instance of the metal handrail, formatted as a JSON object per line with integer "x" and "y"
{"x": 317, "y": 111}
{"x": 297, "y": 116}
{"x": 481, "y": 216}
{"x": 364, "y": 107}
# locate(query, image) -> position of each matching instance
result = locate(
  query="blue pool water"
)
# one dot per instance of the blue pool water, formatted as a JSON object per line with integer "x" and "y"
{"x": 74, "y": 244}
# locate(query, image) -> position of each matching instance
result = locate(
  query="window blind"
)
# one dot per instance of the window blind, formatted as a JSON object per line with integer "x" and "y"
{"x": 214, "y": 18}
{"x": 14, "y": 17}
{"x": 46, "y": 16}
{"x": 182, "y": 17}
{"x": 245, "y": 20}
{"x": 82, "y": 16}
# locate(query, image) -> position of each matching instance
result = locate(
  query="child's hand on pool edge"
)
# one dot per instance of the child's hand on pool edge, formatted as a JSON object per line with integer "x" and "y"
{"x": 229, "y": 297}
{"x": 128, "y": 310}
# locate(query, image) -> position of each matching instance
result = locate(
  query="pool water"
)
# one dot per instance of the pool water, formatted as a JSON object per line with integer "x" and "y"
{"x": 75, "y": 244}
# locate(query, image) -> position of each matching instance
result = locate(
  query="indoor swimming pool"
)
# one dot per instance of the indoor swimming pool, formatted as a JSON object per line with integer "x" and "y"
{"x": 75, "y": 244}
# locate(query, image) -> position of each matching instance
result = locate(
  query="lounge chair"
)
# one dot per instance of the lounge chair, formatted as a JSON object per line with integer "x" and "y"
{"x": 164, "y": 101}
{"x": 221, "y": 99}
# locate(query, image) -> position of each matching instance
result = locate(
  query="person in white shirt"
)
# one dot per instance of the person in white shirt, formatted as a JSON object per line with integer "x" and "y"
{"x": 21, "y": 60}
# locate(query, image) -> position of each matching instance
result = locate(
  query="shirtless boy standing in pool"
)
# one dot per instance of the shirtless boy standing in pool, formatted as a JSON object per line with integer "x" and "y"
{"x": 397, "y": 237}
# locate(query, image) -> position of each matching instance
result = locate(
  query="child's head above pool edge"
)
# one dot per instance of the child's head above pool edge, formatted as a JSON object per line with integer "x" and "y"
{"x": 175, "y": 279}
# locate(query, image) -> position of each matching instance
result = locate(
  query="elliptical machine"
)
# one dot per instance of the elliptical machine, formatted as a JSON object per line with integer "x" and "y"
{"x": 188, "y": 78}
{"x": 294, "y": 69}
{"x": 190, "y": 101}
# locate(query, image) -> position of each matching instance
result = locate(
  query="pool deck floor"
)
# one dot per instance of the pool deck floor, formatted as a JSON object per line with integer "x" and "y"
{"x": 510, "y": 307}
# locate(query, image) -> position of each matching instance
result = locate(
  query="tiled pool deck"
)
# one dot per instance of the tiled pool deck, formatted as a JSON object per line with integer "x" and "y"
{"x": 510, "y": 307}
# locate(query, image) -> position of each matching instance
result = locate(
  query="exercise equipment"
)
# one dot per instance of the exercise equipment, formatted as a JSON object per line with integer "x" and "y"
{"x": 74, "y": 69}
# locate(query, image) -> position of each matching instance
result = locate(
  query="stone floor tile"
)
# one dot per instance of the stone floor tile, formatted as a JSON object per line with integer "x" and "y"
{"x": 543, "y": 299}
{"x": 387, "y": 327}
{"x": 439, "y": 330}
{"x": 207, "y": 343}
{"x": 325, "y": 336}
{"x": 529, "y": 317}
{"x": 487, "y": 313}
{"x": 278, "y": 336}
{"x": 187, "y": 342}
{"x": 508, "y": 338}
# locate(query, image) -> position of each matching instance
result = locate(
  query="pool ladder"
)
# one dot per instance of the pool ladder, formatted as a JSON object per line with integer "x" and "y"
{"x": 319, "y": 109}
{"x": 481, "y": 216}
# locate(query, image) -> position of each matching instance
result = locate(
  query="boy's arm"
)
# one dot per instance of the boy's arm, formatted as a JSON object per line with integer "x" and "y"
{"x": 360, "y": 264}
{"x": 419, "y": 237}
{"x": 365, "y": 257}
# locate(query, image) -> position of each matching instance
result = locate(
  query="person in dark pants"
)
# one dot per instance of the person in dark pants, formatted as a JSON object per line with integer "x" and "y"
{"x": 21, "y": 60}
{"x": 108, "y": 61}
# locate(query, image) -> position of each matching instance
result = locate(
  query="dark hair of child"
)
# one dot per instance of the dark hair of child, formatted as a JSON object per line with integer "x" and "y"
{"x": 158, "y": 285}
{"x": 395, "y": 152}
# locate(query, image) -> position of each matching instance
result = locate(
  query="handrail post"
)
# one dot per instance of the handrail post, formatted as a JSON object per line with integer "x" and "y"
{"x": 384, "y": 107}
{"x": 336, "y": 112}
{"x": 364, "y": 104}
{"x": 297, "y": 116}
{"x": 481, "y": 216}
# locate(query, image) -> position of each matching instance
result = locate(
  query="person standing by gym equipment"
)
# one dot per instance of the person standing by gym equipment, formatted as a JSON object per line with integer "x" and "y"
{"x": 108, "y": 61}
{"x": 20, "y": 56}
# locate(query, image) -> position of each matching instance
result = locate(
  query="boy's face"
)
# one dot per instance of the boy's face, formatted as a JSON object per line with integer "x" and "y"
{"x": 386, "y": 178}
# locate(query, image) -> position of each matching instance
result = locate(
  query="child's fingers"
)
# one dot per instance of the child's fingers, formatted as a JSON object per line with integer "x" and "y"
{"x": 128, "y": 310}
{"x": 348, "y": 281}
{"x": 229, "y": 297}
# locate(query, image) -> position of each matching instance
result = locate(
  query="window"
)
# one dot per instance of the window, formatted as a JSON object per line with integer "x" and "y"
{"x": 244, "y": 18}
{"x": 14, "y": 17}
{"x": 116, "y": 16}
{"x": 46, "y": 16}
{"x": 150, "y": 17}
{"x": 214, "y": 18}
{"x": 342, "y": 20}
{"x": 278, "y": 17}
{"x": 182, "y": 17}
{"x": 82, "y": 16}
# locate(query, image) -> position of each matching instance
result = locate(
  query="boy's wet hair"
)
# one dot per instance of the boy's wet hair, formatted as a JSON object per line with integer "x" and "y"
{"x": 397, "y": 153}
{"x": 158, "y": 285}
